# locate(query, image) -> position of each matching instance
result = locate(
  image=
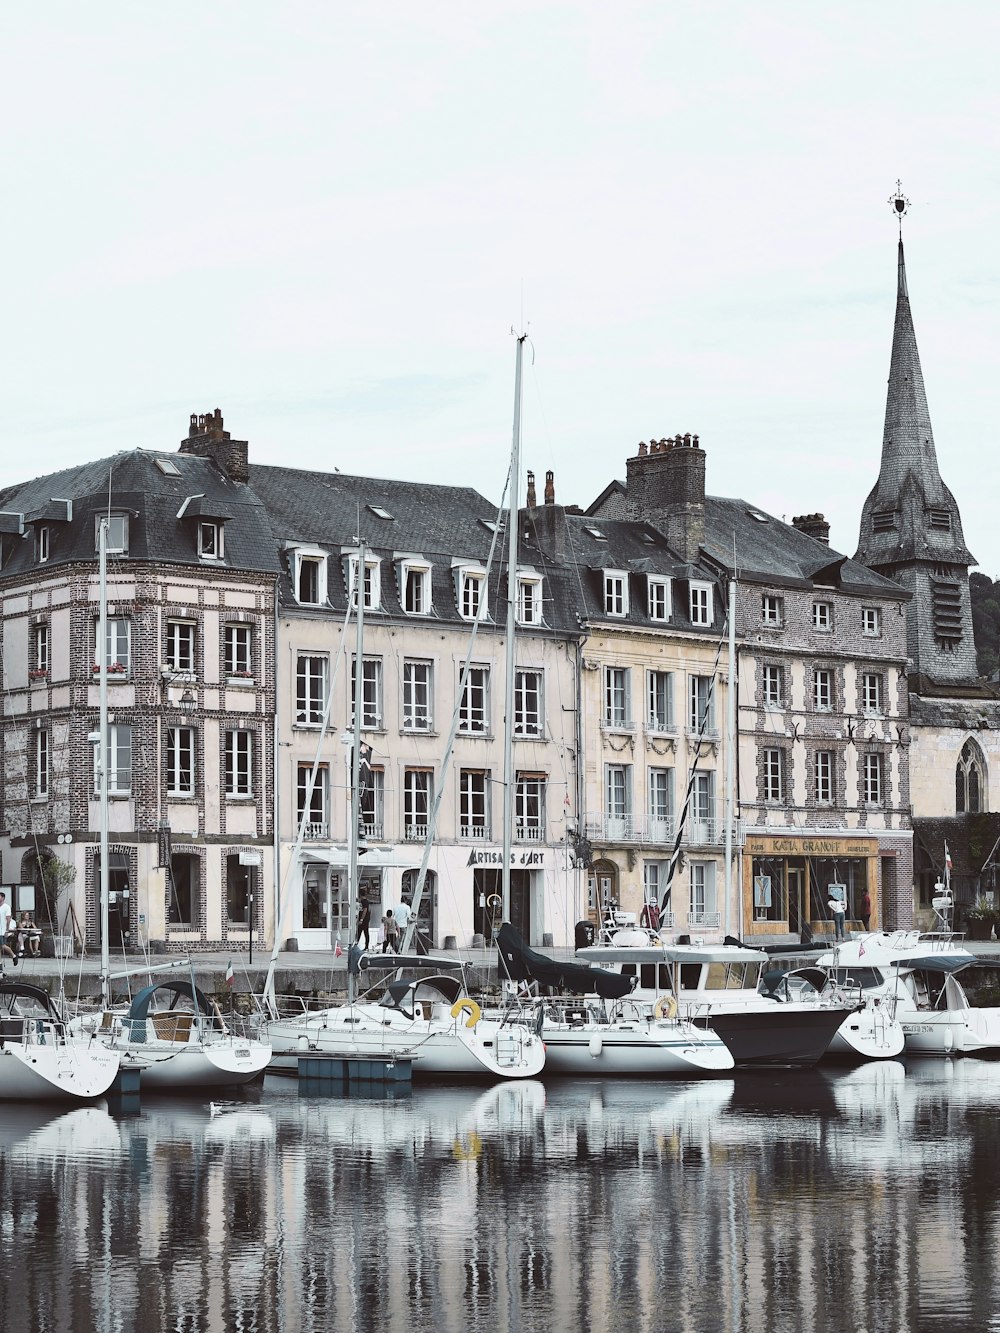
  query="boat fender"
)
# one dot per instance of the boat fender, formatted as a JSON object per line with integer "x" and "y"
{"x": 665, "y": 1007}
{"x": 595, "y": 1046}
{"x": 465, "y": 1005}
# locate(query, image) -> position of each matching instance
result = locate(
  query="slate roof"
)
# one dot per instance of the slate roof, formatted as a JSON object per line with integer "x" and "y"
{"x": 152, "y": 500}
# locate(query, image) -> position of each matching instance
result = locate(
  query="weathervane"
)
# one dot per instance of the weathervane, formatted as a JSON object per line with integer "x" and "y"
{"x": 900, "y": 206}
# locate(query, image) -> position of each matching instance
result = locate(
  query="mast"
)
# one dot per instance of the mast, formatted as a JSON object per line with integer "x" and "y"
{"x": 102, "y": 756}
{"x": 730, "y": 754}
{"x": 508, "y": 730}
{"x": 354, "y": 822}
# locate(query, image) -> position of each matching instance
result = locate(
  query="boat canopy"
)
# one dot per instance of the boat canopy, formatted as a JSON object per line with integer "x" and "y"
{"x": 520, "y": 963}
{"x": 139, "y": 1008}
{"x": 425, "y": 961}
{"x": 936, "y": 963}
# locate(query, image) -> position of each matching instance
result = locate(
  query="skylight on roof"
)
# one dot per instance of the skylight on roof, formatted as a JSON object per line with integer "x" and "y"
{"x": 597, "y": 534}
{"x": 488, "y": 524}
{"x": 379, "y": 512}
{"x": 168, "y": 467}
{"x": 757, "y": 516}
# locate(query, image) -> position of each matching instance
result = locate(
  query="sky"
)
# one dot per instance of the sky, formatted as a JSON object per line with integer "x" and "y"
{"x": 326, "y": 219}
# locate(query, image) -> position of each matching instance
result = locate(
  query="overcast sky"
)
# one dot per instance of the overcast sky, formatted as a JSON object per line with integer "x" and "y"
{"x": 325, "y": 218}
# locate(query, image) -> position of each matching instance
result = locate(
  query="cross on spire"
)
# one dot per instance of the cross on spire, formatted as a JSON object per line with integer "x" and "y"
{"x": 900, "y": 205}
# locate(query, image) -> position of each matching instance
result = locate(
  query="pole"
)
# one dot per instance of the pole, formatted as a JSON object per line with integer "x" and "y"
{"x": 508, "y": 730}
{"x": 730, "y": 754}
{"x": 102, "y": 757}
{"x": 354, "y": 820}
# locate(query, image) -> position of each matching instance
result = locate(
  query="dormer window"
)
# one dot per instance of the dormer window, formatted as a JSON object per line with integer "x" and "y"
{"x": 615, "y": 593}
{"x": 117, "y": 533}
{"x": 701, "y": 604}
{"x": 309, "y": 572}
{"x": 42, "y": 543}
{"x": 529, "y": 599}
{"x": 373, "y": 581}
{"x": 210, "y": 540}
{"x": 415, "y": 587}
{"x": 470, "y": 588}
{"x": 658, "y": 591}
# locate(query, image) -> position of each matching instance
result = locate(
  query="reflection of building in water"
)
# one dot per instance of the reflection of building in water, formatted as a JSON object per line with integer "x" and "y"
{"x": 814, "y": 1202}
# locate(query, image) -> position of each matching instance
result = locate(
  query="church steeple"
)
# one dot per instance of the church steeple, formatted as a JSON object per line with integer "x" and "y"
{"x": 911, "y": 529}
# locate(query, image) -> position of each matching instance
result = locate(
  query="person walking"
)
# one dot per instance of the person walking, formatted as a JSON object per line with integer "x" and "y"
{"x": 838, "y": 909}
{"x": 364, "y": 922}
{"x": 390, "y": 933}
{"x": 5, "y": 926}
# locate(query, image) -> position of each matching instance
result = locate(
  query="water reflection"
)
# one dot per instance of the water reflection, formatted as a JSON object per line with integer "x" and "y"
{"x": 862, "y": 1199}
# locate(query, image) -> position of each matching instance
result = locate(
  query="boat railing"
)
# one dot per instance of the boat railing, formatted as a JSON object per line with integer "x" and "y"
{"x": 30, "y": 1031}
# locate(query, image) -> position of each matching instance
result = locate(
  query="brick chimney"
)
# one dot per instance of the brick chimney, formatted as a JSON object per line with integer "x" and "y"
{"x": 531, "y": 491}
{"x": 814, "y": 525}
{"x": 550, "y": 487}
{"x": 665, "y": 486}
{"x": 208, "y": 439}
{"x": 549, "y": 521}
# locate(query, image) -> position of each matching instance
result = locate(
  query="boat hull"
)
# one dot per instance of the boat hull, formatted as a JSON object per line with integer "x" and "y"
{"x": 778, "y": 1035}
{"x": 64, "y": 1072}
{"x": 199, "y": 1067}
{"x": 597, "y": 1049}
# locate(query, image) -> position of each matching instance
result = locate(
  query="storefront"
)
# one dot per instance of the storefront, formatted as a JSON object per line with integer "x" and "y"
{"x": 788, "y": 881}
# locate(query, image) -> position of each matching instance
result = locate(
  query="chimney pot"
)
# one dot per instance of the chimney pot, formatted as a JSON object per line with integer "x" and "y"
{"x": 550, "y": 487}
{"x": 642, "y": 449}
{"x": 531, "y": 490}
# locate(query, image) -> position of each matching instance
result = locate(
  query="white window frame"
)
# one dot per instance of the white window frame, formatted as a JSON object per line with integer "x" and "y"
{"x": 418, "y": 694}
{"x": 474, "y": 708}
{"x": 618, "y": 698}
{"x": 701, "y": 892}
{"x": 317, "y": 816}
{"x": 415, "y": 579}
{"x": 698, "y": 685}
{"x": 659, "y": 599}
{"x": 701, "y": 602}
{"x": 239, "y": 764}
{"x": 529, "y": 807}
{"x": 181, "y": 744}
{"x": 659, "y": 701}
{"x": 474, "y": 805}
{"x": 772, "y": 610}
{"x": 117, "y": 644}
{"x": 211, "y": 539}
{"x": 529, "y": 702}
{"x": 373, "y": 580}
{"x": 316, "y": 560}
{"x": 873, "y": 778}
{"x": 418, "y": 801}
{"x": 824, "y": 777}
{"x": 311, "y": 689}
{"x": 119, "y": 761}
{"x": 181, "y": 650}
{"x": 372, "y": 805}
{"x": 528, "y": 610}
{"x": 618, "y": 800}
{"x": 470, "y": 591}
{"x": 237, "y": 648}
{"x": 42, "y": 647}
{"x": 41, "y": 764}
{"x": 703, "y": 807}
{"x": 660, "y": 803}
{"x": 371, "y": 693}
{"x": 823, "y": 690}
{"x": 616, "y": 601}
{"x": 822, "y": 617}
{"x": 114, "y": 546}
{"x": 872, "y": 694}
{"x": 773, "y": 683}
{"x": 44, "y": 543}
{"x": 773, "y": 774}
{"x": 871, "y": 622}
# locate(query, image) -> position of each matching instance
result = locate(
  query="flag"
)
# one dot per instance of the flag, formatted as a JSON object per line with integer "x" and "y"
{"x": 229, "y": 975}
{"x": 338, "y": 951}
{"x": 861, "y": 950}
{"x": 947, "y": 858}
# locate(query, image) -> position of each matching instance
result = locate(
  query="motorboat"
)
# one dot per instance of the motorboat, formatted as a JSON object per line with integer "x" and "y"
{"x": 429, "y": 1018}
{"x": 872, "y": 1031}
{"x": 179, "y": 1040}
{"x": 716, "y": 986}
{"x": 40, "y": 1059}
{"x": 919, "y": 974}
{"x": 601, "y": 1029}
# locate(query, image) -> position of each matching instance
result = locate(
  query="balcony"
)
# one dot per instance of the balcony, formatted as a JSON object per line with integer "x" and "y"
{"x": 655, "y": 831}
{"x": 315, "y": 832}
{"x": 474, "y": 832}
{"x": 708, "y": 920}
{"x": 529, "y": 832}
{"x": 371, "y": 830}
{"x": 414, "y": 832}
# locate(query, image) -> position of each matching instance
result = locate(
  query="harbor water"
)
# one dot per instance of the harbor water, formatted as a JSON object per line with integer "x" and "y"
{"x": 857, "y": 1199}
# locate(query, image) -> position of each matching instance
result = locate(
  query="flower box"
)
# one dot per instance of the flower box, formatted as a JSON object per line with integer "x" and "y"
{"x": 39, "y": 673}
{"x": 115, "y": 669}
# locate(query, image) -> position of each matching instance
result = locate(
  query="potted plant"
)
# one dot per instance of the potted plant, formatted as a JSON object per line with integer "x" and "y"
{"x": 38, "y": 673}
{"x": 979, "y": 920}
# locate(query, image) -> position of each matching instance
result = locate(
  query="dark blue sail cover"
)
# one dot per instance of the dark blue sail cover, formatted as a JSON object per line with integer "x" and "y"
{"x": 519, "y": 963}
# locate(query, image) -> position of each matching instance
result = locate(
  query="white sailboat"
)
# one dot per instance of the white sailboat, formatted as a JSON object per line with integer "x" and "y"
{"x": 40, "y": 1059}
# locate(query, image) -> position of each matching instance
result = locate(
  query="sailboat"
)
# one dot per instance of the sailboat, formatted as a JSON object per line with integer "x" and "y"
{"x": 187, "y": 1046}
{"x": 40, "y": 1059}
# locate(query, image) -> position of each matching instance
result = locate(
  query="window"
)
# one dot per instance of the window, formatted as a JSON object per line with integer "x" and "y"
{"x": 310, "y": 578}
{"x": 239, "y": 763}
{"x": 210, "y": 539}
{"x": 773, "y": 774}
{"x": 117, "y": 541}
{"x": 701, "y": 904}
{"x": 884, "y": 521}
{"x": 180, "y": 645}
{"x": 43, "y": 544}
{"x": 871, "y": 621}
{"x": 239, "y": 892}
{"x": 823, "y": 786}
{"x": 416, "y": 586}
{"x": 529, "y": 600}
{"x": 823, "y": 690}
{"x": 701, "y": 704}
{"x": 658, "y": 591}
{"x": 372, "y": 805}
{"x": 312, "y": 806}
{"x": 774, "y": 686}
{"x": 529, "y": 807}
{"x": 119, "y": 762}
{"x": 117, "y": 645}
{"x": 371, "y": 692}
{"x": 615, "y": 593}
{"x": 871, "y": 694}
{"x": 661, "y": 804}
{"x": 373, "y": 581}
{"x": 701, "y": 603}
{"x": 474, "y": 710}
{"x": 970, "y": 780}
{"x": 471, "y": 584}
{"x": 872, "y": 779}
{"x": 474, "y": 805}
{"x": 528, "y": 694}
{"x": 659, "y": 700}
{"x": 939, "y": 519}
{"x": 618, "y": 698}
{"x": 418, "y": 796}
{"x": 772, "y": 610}
{"x": 823, "y": 616}
{"x": 238, "y": 650}
{"x": 418, "y": 711}
{"x": 185, "y": 881}
{"x": 703, "y": 808}
{"x": 41, "y": 764}
{"x": 42, "y": 652}
{"x": 180, "y": 761}
{"x": 654, "y": 883}
{"x": 618, "y": 800}
{"x": 310, "y": 690}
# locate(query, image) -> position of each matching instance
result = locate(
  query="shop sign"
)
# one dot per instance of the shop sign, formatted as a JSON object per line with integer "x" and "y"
{"x": 489, "y": 857}
{"x": 811, "y": 847}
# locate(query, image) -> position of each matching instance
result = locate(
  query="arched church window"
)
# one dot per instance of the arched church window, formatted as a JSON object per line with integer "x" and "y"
{"x": 971, "y": 787}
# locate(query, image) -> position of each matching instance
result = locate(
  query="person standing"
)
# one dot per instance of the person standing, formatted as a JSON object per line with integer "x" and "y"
{"x": 5, "y": 924}
{"x": 403, "y": 913}
{"x": 390, "y": 932}
{"x": 838, "y": 909}
{"x": 865, "y": 910}
{"x": 364, "y": 922}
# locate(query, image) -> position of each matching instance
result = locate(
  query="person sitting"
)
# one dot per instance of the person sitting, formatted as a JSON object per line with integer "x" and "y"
{"x": 27, "y": 935}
